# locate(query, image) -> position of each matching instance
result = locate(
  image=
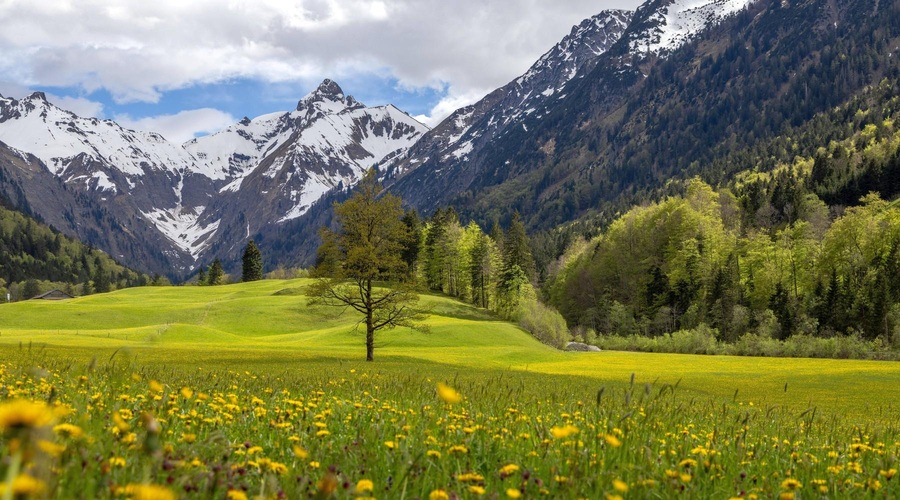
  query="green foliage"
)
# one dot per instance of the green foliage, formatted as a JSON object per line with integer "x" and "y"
{"x": 252, "y": 265}
{"x": 216, "y": 274}
{"x": 34, "y": 254}
{"x": 687, "y": 261}
{"x": 363, "y": 265}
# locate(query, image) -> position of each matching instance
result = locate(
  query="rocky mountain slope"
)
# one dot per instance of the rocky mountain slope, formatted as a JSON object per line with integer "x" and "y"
{"x": 172, "y": 204}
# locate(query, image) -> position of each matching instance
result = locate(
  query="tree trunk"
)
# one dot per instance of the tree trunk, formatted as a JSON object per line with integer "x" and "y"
{"x": 370, "y": 324}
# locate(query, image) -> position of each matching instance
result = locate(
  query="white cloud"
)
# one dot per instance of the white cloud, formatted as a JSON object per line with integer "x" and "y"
{"x": 138, "y": 50}
{"x": 450, "y": 103}
{"x": 78, "y": 105}
{"x": 182, "y": 126}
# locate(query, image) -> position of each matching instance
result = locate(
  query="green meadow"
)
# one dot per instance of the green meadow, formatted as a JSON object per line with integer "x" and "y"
{"x": 172, "y": 387}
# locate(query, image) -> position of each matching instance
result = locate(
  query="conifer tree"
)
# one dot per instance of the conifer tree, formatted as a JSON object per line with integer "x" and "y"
{"x": 215, "y": 275}
{"x": 252, "y": 263}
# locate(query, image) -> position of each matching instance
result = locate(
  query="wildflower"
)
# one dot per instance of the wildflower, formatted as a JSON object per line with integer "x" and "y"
{"x": 300, "y": 452}
{"x": 888, "y": 474}
{"x": 314, "y": 465}
{"x": 438, "y": 495}
{"x": 188, "y": 438}
{"x": 236, "y": 495}
{"x": 458, "y": 449}
{"x": 687, "y": 463}
{"x": 24, "y": 486}
{"x": 434, "y": 453}
{"x": 117, "y": 462}
{"x": 365, "y": 485}
{"x": 620, "y": 486}
{"x": 612, "y": 441}
{"x": 791, "y": 484}
{"x": 187, "y": 392}
{"x": 22, "y": 414}
{"x": 51, "y": 448}
{"x": 686, "y": 478}
{"x": 786, "y": 495}
{"x": 564, "y": 431}
{"x": 327, "y": 485}
{"x": 148, "y": 492}
{"x": 68, "y": 431}
{"x": 156, "y": 386}
{"x": 469, "y": 477}
{"x": 390, "y": 444}
{"x": 448, "y": 394}
{"x": 323, "y": 433}
{"x": 508, "y": 470}
{"x": 476, "y": 490}
{"x": 513, "y": 493}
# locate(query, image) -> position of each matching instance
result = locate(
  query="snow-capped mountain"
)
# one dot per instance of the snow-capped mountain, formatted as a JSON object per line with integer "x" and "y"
{"x": 468, "y": 131}
{"x": 194, "y": 195}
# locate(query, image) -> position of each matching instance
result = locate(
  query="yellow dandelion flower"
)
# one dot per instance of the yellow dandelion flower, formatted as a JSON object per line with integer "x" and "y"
{"x": 117, "y": 462}
{"x": 187, "y": 392}
{"x": 155, "y": 386}
{"x": 22, "y": 414}
{"x": 612, "y": 441}
{"x": 68, "y": 431}
{"x": 620, "y": 486}
{"x": 508, "y": 470}
{"x": 686, "y": 478}
{"x": 51, "y": 448}
{"x": 434, "y": 453}
{"x": 300, "y": 452}
{"x": 390, "y": 444}
{"x": 188, "y": 438}
{"x": 148, "y": 492}
{"x": 365, "y": 486}
{"x": 24, "y": 486}
{"x": 888, "y": 474}
{"x": 687, "y": 462}
{"x": 236, "y": 495}
{"x": 448, "y": 394}
{"x": 564, "y": 431}
{"x": 513, "y": 493}
{"x": 458, "y": 449}
{"x": 323, "y": 433}
{"x": 786, "y": 495}
{"x": 438, "y": 495}
{"x": 791, "y": 484}
{"x": 476, "y": 490}
{"x": 314, "y": 465}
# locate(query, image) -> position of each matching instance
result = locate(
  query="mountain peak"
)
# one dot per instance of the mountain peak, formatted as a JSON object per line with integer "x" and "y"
{"x": 38, "y": 96}
{"x": 329, "y": 88}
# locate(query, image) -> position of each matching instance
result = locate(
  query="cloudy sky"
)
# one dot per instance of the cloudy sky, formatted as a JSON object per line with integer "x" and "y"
{"x": 189, "y": 67}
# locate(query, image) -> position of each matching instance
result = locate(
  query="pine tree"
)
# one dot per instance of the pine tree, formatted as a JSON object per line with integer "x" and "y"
{"x": 252, "y": 260}
{"x": 215, "y": 275}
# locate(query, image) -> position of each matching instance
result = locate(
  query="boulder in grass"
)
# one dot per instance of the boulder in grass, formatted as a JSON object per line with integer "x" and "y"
{"x": 581, "y": 347}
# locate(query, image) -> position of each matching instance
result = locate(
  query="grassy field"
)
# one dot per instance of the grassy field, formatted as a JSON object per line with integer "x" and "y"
{"x": 177, "y": 387}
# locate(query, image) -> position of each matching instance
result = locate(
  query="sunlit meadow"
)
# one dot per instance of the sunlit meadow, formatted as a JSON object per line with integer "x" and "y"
{"x": 245, "y": 392}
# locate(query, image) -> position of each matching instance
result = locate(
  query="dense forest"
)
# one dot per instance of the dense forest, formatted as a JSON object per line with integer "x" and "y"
{"x": 809, "y": 248}
{"x": 35, "y": 259}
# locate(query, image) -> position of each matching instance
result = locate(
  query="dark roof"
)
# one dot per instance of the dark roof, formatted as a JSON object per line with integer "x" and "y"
{"x": 53, "y": 295}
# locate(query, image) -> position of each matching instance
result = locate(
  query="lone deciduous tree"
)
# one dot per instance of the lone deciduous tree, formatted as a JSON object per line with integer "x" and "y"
{"x": 361, "y": 264}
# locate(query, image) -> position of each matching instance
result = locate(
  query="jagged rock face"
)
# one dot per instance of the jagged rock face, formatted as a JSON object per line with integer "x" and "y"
{"x": 211, "y": 193}
{"x": 453, "y": 149}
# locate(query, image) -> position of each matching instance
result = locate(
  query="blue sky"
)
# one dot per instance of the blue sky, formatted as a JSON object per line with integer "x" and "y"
{"x": 189, "y": 68}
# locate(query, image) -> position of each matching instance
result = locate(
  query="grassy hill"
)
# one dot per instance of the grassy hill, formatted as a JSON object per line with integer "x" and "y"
{"x": 267, "y": 324}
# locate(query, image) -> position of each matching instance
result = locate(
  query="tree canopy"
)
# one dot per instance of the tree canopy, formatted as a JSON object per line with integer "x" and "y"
{"x": 361, "y": 265}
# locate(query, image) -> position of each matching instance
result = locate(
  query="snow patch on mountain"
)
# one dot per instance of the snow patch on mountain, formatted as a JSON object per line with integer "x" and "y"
{"x": 680, "y": 21}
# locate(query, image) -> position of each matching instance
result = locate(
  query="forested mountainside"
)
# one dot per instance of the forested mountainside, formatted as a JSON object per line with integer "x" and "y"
{"x": 34, "y": 258}
{"x": 711, "y": 108}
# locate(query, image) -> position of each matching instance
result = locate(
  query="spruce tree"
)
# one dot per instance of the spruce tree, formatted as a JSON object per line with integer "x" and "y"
{"x": 215, "y": 275}
{"x": 253, "y": 267}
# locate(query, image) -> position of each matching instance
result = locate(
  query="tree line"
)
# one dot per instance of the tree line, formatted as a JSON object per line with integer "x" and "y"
{"x": 34, "y": 258}
{"x": 766, "y": 258}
